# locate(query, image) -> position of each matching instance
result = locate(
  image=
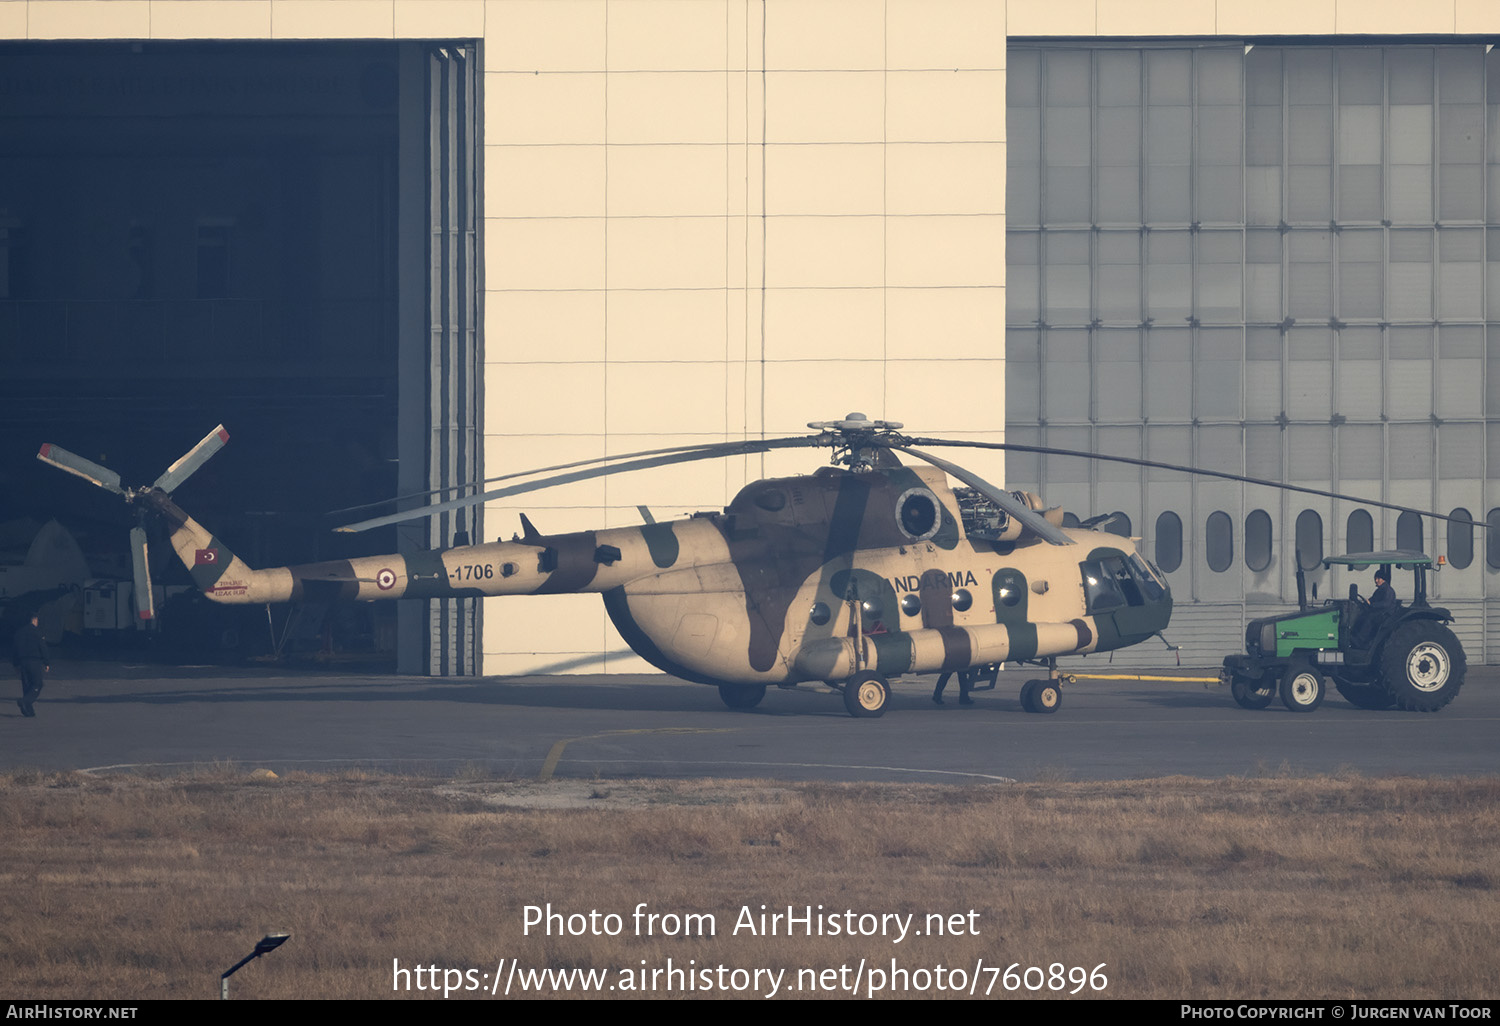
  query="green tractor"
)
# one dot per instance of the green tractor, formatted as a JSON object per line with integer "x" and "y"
{"x": 1403, "y": 655}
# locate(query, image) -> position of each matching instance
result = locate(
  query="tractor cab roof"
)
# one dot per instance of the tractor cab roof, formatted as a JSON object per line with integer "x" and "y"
{"x": 1394, "y": 557}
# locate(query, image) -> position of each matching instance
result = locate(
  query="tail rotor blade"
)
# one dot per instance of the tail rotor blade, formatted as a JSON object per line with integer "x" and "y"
{"x": 90, "y": 471}
{"x": 195, "y": 458}
{"x": 145, "y": 604}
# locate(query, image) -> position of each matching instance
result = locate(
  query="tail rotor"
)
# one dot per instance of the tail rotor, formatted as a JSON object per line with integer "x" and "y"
{"x": 168, "y": 482}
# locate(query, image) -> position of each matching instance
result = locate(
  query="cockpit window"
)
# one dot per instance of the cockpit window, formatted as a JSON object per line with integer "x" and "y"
{"x": 1115, "y": 581}
{"x": 1101, "y": 589}
{"x": 1149, "y": 577}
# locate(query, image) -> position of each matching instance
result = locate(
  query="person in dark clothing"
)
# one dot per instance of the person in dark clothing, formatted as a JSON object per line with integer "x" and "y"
{"x": 1383, "y": 597}
{"x": 29, "y": 653}
{"x": 965, "y": 680}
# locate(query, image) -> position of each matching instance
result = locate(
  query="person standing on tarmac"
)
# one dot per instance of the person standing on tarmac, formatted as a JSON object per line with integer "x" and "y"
{"x": 29, "y": 653}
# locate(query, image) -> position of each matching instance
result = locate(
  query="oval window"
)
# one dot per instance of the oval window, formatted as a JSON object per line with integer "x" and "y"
{"x": 1360, "y": 533}
{"x": 1119, "y": 524}
{"x": 1460, "y": 540}
{"x": 1219, "y": 537}
{"x": 1258, "y": 540}
{"x": 1168, "y": 542}
{"x": 1409, "y": 531}
{"x": 1492, "y": 539}
{"x": 1310, "y": 538}
{"x": 771, "y": 500}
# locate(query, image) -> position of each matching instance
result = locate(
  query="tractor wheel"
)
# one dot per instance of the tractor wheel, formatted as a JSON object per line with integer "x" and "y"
{"x": 742, "y": 696}
{"x": 865, "y": 695}
{"x": 1423, "y": 665}
{"x": 1253, "y": 692}
{"x": 1302, "y": 688}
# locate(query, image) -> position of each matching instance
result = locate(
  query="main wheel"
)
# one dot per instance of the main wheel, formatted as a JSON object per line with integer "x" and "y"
{"x": 1364, "y": 696}
{"x": 1423, "y": 666}
{"x": 1041, "y": 696}
{"x": 1302, "y": 688}
{"x": 742, "y": 696}
{"x": 1253, "y": 692}
{"x": 865, "y": 695}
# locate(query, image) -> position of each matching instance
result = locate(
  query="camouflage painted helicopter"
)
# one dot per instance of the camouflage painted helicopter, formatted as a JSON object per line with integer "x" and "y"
{"x": 853, "y": 575}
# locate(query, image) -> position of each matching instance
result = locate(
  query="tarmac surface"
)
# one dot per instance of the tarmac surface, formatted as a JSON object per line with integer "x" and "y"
{"x": 108, "y": 717}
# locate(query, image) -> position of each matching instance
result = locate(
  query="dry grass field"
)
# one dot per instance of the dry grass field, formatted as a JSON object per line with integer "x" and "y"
{"x": 132, "y": 887}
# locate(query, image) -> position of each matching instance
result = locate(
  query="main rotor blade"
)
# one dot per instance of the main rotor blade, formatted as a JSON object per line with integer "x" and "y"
{"x": 999, "y": 496}
{"x": 90, "y": 471}
{"x": 718, "y": 450}
{"x": 145, "y": 602}
{"x": 693, "y": 447}
{"x": 192, "y": 460}
{"x": 1199, "y": 471}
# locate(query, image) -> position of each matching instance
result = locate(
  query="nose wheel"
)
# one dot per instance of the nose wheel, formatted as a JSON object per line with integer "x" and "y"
{"x": 866, "y": 695}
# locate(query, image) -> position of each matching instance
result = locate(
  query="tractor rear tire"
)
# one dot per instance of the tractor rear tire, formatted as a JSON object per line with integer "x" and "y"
{"x": 1423, "y": 666}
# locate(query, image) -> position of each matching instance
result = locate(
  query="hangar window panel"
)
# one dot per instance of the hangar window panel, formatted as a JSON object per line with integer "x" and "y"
{"x": 1360, "y": 532}
{"x": 1362, "y": 451}
{"x": 1460, "y": 452}
{"x": 1310, "y": 275}
{"x": 1409, "y": 275}
{"x": 1461, "y": 370}
{"x": 1169, "y": 279}
{"x": 1263, "y": 277}
{"x": 1023, "y": 282}
{"x": 1117, "y": 377}
{"x": 1023, "y": 195}
{"x": 1410, "y": 452}
{"x": 1360, "y": 135}
{"x": 1218, "y": 538}
{"x": 1492, "y": 262}
{"x": 1460, "y": 74}
{"x": 1258, "y": 540}
{"x": 1492, "y": 539}
{"x": 1067, "y": 78}
{"x": 1408, "y": 389}
{"x": 1023, "y": 469}
{"x": 1066, "y": 131}
{"x": 1361, "y": 74}
{"x": 1118, "y": 276}
{"x": 1409, "y": 531}
{"x": 1410, "y": 194}
{"x": 1263, "y": 380}
{"x": 1361, "y": 190}
{"x": 1460, "y": 540}
{"x": 1492, "y": 379}
{"x": 1409, "y": 70}
{"x": 1168, "y": 547}
{"x": 1066, "y": 195}
{"x": 1262, "y": 195}
{"x": 1169, "y": 385}
{"x": 1118, "y": 442}
{"x": 1168, "y": 445}
{"x": 1461, "y": 273}
{"x": 1309, "y": 452}
{"x": 1022, "y": 391}
{"x": 1065, "y": 376}
{"x": 1119, "y": 191}
{"x": 1218, "y": 384}
{"x": 1066, "y": 277}
{"x": 1361, "y": 262}
{"x": 1309, "y": 539}
{"x": 1219, "y": 269}
{"x": 1023, "y": 82}
{"x": 1220, "y": 189}
{"x": 1069, "y": 469}
{"x": 1263, "y": 451}
{"x": 1119, "y": 78}
{"x": 1119, "y": 131}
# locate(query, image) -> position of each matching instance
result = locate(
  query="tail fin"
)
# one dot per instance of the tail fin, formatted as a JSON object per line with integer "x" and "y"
{"x": 217, "y": 571}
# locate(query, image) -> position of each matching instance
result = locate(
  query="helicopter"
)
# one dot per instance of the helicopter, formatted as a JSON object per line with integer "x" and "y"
{"x": 863, "y": 571}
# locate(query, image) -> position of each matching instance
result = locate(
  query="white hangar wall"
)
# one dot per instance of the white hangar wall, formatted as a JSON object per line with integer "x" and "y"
{"x": 717, "y": 219}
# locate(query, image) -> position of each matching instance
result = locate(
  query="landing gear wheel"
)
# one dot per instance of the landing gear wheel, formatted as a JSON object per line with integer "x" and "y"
{"x": 1302, "y": 688}
{"x": 1041, "y": 696}
{"x": 1364, "y": 696}
{"x": 742, "y": 696}
{"x": 1253, "y": 692}
{"x": 865, "y": 695}
{"x": 1423, "y": 665}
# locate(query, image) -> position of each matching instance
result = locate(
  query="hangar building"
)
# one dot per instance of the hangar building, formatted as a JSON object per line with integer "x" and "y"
{"x": 397, "y": 245}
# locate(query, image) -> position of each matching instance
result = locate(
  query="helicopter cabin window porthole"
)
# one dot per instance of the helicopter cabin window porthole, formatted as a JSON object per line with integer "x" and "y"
{"x": 819, "y": 614}
{"x": 1409, "y": 531}
{"x": 1360, "y": 533}
{"x": 917, "y": 514}
{"x": 911, "y": 605}
{"x": 1460, "y": 540}
{"x": 1310, "y": 538}
{"x": 1258, "y": 540}
{"x": 1168, "y": 542}
{"x": 1219, "y": 538}
{"x": 962, "y": 600}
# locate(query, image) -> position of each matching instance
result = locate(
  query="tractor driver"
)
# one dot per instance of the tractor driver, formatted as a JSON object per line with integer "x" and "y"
{"x": 1383, "y": 599}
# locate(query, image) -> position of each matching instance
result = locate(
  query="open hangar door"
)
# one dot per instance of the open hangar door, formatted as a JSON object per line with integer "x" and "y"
{"x": 204, "y": 233}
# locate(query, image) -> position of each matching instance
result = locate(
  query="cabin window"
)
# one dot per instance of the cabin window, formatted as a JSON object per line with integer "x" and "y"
{"x": 1258, "y": 540}
{"x": 1169, "y": 541}
{"x": 962, "y": 600}
{"x": 911, "y": 605}
{"x": 819, "y": 614}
